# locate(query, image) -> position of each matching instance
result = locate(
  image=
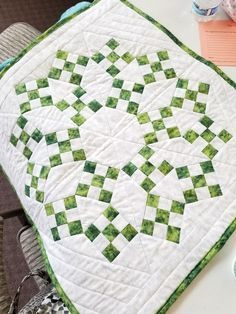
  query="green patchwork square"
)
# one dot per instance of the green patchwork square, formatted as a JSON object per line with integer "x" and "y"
{"x": 156, "y": 67}
{"x": 25, "y": 107}
{"x": 20, "y": 88}
{"x": 13, "y": 140}
{"x": 79, "y": 155}
{"x": 49, "y": 209}
{"x": 98, "y": 181}
{"x": 21, "y": 122}
{"x": 76, "y": 79}
{"x": 51, "y": 138}
{"x": 55, "y": 73}
{"x": 190, "y": 196}
{"x": 147, "y": 227}
{"x": 191, "y": 136}
{"x": 129, "y": 169}
{"x": 92, "y": 232}
{"x": 207, "y": 166}
{"x": 199, "y": 181}
{"x": 162, "y": 216}
{"x": 206, "y": 121}
{"x": 165, "y": 167}
{"x": 79, "y": 91}
{"x": 163, "y": 55}
{"x": 191, "y": 95}
{"x": 177, "y": 102}
{"x": 117, "y": 83}
{"x": 112, "y": 43}
{"x": 143, "y": 118}
{"x": 70, "y": 202}
{"x": 61, "y": 218}
{"x": 94, "y": 105}
{"x": 39, "y": 196}
{"x": 215, "y": 190}
{"x": 146, "y": 152}
{"x": 64, "y": 146}
{"x": 132, "y": 108}
{"x": 30, "y": 168}
{"x": 113, "y": 70}
{"x": 113, "y": 57}
{"x": 55, "y": 234}
{"x": 110, "y": 252}
{"x": 55, "y": 160}
{"x": 78, "y": 105}
{"x": 37, "y": 135}
{"x": 24, "y": 137}
{"x": 78, "y": 119}
{"x": 125, "y": 94}
{"x": 69, "y": 66}
{"x": 173, "y": 234}
{"x": 112, "y": 102}
{"x": 27, "y": 190}
{"x": 33, "y": 94}
{"x": 61, "y": 54}
{"x": 138, "y": 88}
{"x": 27, "y": 152}
{"x": 90, "y": 166}
{"x": 158, "y": 125}
{"x": 182, "y": 172}
{"x": 149, "y": 78}
{"x": 210, "y": 151}
{"x": 208, "y": 135}
{"x": 110, "y": 213}
{"x": 166, "y": 112}
{"x": 62, "y": 105}
{"x": 143, "y": 60}
{"x": 82, "y": 60}
{"x": 129, "y": 232}
{"x": 173, "y": 132}
{"x": 204, "y": 88}
{"x": 182, "y": 84}
{"x": 147, "y": 184}
{"x": 150, "y": 138}
{"x": 225, "y": 136}
{"x": 105, "y": 196}
{"x": 177, "y": 207}
{"x": 170, "y": 73}
{"x": 112, "y": 173}
{"x": 42, "y": 83}
{"x": 147, "y": 168}
{"x": 152, "y": 200}
{"x": 199, "y": 107}
{"x": 34, "y": 182}
{"x": 127, "y": 57}
{"x": 75, "y": 227}
{"x": 44, "y": 172}
{"x": 98, "y": 57}
{"x": 82, "y": 190}
{"x": 110, "y": 232}
{"x": 73, "y": 133}
{"x": 46, "y": 101}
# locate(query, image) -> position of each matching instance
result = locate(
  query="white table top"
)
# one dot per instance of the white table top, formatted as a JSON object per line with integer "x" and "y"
{"x": 214, "y": 290}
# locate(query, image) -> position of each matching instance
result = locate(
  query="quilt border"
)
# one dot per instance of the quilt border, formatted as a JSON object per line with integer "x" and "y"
{"x": 229, "y": 230}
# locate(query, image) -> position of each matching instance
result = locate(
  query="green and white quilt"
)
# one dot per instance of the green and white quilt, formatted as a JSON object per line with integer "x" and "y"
{"x": 120, "y": 143}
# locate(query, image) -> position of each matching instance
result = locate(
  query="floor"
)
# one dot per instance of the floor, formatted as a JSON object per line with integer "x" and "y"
{"x": 40, "y": 14}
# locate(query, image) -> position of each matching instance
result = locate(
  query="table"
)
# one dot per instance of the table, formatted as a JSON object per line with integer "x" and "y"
{"x": 214, "y": 290}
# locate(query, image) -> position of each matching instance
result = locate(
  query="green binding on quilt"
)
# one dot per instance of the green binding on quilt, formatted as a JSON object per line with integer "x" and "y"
{"x": 37, "y": 175}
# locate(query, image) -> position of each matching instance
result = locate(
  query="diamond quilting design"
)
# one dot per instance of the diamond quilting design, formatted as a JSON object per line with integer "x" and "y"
{"x": 110, "y": 233}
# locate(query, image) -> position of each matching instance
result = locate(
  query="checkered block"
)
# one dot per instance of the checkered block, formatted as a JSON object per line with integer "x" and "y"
{"x": 63, "y": 218}
{"x": 36, "y": 178}
{"x": 146, "y": 169}
{"x": 64, "y": 146}
{"x": 125, "y": 96}
{"x": 163, "y": 218}
{"x": 191, "y": 95}
{"x": 97, "y": 181}
{"x": 68, "y": 67}
{"x": 156, "y": 66}
{"x": 25, "y": 137}
{"x": 208, "y": 136}
{"x": 198, "y": 182}
{"x": 33, "y": 94}
{"x": 79, "y": 106}
{"x": 110, "y": 233}
{"x": 158, "y": 125}
{"x": 113, "y": 57}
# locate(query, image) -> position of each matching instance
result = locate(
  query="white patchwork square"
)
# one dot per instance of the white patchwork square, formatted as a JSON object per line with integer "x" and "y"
{"x": 101, "y": 223}
{"x": 109, "y": 184}
{"x": 58, "y": 206}
{"x": 94, "y": 192}
{"x": 120, "y": 242}
{"x": 23, "y": 98}
{"x": 31, "y": 85}
{"x": 63, "y": 231}
{"x": 160, "y": 230}
{"x": 195, "y": 170}
{"x": 175, "y": 220}
{"x": 66, "y": 157}
{"x": 186, "y": 184}
{"x": 101, "y": 242}
{"x": 58, "y": 63}
{"x": 119, "y": 222}
{"x": 101, "y": 170}
{"x": 164, "y": 203}
{"x": 65, "y": 75}
{"x": 150, "y": 213}
{"x": 202, "y": 193}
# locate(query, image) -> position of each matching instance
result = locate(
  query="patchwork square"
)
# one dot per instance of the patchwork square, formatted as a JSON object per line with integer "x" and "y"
{"x": 25, "y": 137}
{"x": 163, "y": 218}
{"x": 113, "y": 57}
{"x": 64, "y": 146}
{"x": 191, "y": 95}
{"x": 146, "y": 169}
{"x": 78, "y": 106}
{"x": 208, "y": 136}
{"x": 158, "y": 125}
{"x": 110, "y": 233}
{"x": 97, "y": 181}
{"x": 33, "y": 94}
{"x": 198, "y": 182}
{"x": 68, "y": 67}
{"x": 156, "y": 66}
{"x": 125, "y": 96}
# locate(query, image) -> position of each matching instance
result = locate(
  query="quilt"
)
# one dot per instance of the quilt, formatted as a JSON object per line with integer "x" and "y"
{"x": 120, "y": 143}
